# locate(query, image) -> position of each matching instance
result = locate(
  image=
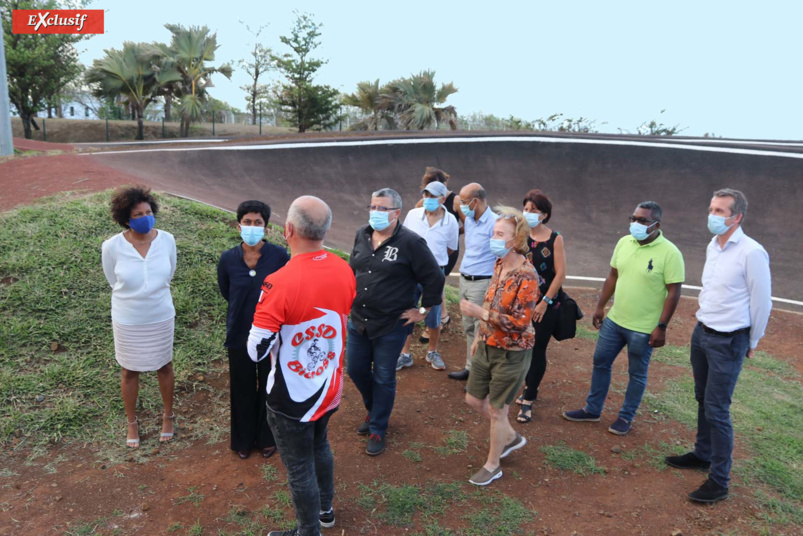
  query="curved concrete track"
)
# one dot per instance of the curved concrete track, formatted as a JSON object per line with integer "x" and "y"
{"x": 594, "y": 182}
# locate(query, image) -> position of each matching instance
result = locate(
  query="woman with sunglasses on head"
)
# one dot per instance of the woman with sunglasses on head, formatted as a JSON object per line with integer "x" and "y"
{"x": 240, "y": 273}
{"x": 503, "y": 344}
{"x": 548, "y": 255}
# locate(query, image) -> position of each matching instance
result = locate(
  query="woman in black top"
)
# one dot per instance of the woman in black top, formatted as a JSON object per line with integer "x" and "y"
{"x": 452, "y": 206}
{"x": 549, "y": 258}
{"x": 240, "y": 273}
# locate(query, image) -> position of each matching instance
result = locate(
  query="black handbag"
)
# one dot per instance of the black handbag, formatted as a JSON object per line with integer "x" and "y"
{"x": 568, "y": 315}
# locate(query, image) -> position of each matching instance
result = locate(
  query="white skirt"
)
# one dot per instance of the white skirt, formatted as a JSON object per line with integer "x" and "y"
{"x": 145, "y": 347}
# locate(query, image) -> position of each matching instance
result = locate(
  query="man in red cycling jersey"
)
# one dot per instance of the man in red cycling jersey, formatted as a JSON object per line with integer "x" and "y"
{"x": 300, "y": 322}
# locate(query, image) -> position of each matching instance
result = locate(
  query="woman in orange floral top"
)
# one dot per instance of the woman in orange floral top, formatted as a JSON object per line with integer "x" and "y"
{"x": 502, "y": 349}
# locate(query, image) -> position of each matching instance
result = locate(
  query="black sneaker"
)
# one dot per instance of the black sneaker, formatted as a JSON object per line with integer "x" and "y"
{"x": 327, "y": 519}
{"x": 293, "y": 532}
{"x": 688, "y": 461}
{"x": 709, "y": 492}
{"x": 362, "y": 429}
{"x": 580, "y": 415}
{"x": 376, "y": 445}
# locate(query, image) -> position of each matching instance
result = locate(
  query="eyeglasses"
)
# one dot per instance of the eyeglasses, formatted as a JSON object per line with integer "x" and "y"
{"x": 380, "y": 208}
{"x": 462, "y": 202}
{"x": 642, "y": 221}
{"x": 511, "y": 217}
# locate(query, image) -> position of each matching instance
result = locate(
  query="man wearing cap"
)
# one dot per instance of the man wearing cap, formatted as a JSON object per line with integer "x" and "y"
{"x": 478, "y": 263}
{"x": 441, "y": 231}
{"x": 735, "y": 305}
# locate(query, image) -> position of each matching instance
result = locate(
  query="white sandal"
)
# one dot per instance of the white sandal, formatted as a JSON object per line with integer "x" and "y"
{"x": 133, "y": 443}
{"x": 166, "y": 437}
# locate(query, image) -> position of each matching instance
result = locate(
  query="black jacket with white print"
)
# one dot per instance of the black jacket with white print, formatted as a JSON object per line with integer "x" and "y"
{"x": 387, "y": 277}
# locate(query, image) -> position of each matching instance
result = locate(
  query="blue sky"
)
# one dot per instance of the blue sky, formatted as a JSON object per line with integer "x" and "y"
{"x": 727, "y": 68}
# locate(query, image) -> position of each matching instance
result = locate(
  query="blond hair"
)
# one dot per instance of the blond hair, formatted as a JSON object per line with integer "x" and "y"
{"x": 522, "y": 230}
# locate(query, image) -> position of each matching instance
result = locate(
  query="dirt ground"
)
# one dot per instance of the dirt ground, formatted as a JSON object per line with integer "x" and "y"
{"x": 78, "y": 484}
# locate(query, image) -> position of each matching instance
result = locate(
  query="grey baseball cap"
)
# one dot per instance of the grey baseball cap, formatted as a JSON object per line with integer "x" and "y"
{"x": 436, "y": 188}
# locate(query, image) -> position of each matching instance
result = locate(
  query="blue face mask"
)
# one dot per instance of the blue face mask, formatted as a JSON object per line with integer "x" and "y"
{"x": 532, "y": 218}
{"x": 467, "y": 212}
{"x": 251, "y": 235}
{"x": 716, "y": 224}
{"x": 143, "y": 224}
{"x": 378, "y": 220}
{"x": 639, "y": 230}
{"x": 498, "y": 247}
{"x": 431, "y": 204}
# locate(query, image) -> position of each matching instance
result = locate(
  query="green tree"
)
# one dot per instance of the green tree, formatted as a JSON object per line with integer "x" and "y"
{"x": 189, "y": 53}
{"x": 655, "y": 128}
{"x": 38, "y": 66}
{"x": 417, "y": 102}
{"x": 256, "y": 66}
{"x": 368, "y": 99}
{"x": 132, "y": 73}
{"x": 307, "y": 106}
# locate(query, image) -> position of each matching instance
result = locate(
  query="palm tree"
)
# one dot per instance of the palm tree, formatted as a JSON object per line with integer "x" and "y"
{"x": 368, "y": 99}
{"x": 417, "y": 101}
{"x": 130, "y": 73}
{"x": 188, "y": 53}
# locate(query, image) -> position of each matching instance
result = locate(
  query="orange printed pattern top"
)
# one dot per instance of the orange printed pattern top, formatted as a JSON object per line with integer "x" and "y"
{"x": 510, "y": 302}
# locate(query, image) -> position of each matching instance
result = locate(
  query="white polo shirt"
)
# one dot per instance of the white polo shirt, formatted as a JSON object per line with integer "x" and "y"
{"x": 444, "y": 234}
{"x": 736, "y": 286}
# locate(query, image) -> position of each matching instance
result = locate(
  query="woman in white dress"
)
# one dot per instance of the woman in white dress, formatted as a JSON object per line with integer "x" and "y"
{"x": 139, "y": 264}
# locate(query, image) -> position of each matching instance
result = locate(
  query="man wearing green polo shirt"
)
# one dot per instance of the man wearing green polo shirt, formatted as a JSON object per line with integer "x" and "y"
{"x": 647, "y": 271}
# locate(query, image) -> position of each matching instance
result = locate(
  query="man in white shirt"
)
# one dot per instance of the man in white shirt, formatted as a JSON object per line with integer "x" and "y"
{"x": 477, "y": 266}
{"x": 441, "y": 231}
{"x": 735, "y": 306}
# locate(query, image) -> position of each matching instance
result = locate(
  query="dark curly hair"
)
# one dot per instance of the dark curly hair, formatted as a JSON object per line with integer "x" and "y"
{"x": 541, "y": 202}
{"x": 432, "y": 174}
{"x": 126, "y": 199}
{"x": 254, "y": 206}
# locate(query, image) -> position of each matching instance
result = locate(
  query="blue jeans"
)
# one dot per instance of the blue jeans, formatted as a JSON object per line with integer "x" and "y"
{"x": 371, "y": 364}
{"x": 306, "y": 456}
{"x": 612, "y": 338}
{"x": 433, "y": 318}
{"x": 716, "y": 362}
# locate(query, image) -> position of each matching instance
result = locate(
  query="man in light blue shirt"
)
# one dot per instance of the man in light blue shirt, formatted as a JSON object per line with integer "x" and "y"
{"x": 735, "y": 306}
{"x": 477, "y": 266}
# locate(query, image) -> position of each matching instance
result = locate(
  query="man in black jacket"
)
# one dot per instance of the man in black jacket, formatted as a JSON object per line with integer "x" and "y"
{"x": 388, "y": 261}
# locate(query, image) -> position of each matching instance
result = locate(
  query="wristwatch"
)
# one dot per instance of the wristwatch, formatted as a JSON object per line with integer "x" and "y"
{"x": 662, "y": 325}
{"x": 548, "y": 299}
{"x": 422, "y": 310}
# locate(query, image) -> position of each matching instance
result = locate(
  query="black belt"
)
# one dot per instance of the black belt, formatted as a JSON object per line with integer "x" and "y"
{"x": 722, "y": 333}
{"x": 475, "y": 277}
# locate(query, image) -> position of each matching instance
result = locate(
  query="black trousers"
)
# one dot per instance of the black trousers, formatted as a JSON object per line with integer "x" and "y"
{"x": 543, "y": 333}
{"x": 247, "y": 381}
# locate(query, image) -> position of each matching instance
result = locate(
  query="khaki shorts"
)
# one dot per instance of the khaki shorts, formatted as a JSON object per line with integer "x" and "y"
{"x": 497, "y": 373}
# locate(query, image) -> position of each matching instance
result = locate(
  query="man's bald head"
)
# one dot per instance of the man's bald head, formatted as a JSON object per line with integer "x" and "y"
{"x": 473, "y": 190}
{"x": 311, "y": 217}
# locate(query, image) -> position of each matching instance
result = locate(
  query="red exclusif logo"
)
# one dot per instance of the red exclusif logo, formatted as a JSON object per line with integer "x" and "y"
{"x": 57, "y": 21}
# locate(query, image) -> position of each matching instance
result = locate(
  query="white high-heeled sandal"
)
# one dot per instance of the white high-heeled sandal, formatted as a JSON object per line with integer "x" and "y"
{"x": 166, "y": 437}
{"x": 133, "y": 443}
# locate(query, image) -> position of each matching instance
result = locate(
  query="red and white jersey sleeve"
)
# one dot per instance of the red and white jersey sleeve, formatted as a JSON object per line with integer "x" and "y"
{"x": 300, "y": 322}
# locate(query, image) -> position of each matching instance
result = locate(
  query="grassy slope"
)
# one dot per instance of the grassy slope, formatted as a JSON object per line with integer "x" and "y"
{"x": 62, "y": 298}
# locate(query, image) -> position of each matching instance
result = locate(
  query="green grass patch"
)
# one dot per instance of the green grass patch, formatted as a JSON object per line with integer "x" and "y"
{"x": 503, "y": 516}
{"x": 566, "y": 458}
{"x": 586, "y": 332}
{"x": 397, "y": 505}
{"x": 456, "y": 442}
{"x": 270, "y": 473}
{"x": 192, "y": 497}
{"x": 53, "y": 292}
{"x": 412, "y": 455}
{"x": 767, "y": 413}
